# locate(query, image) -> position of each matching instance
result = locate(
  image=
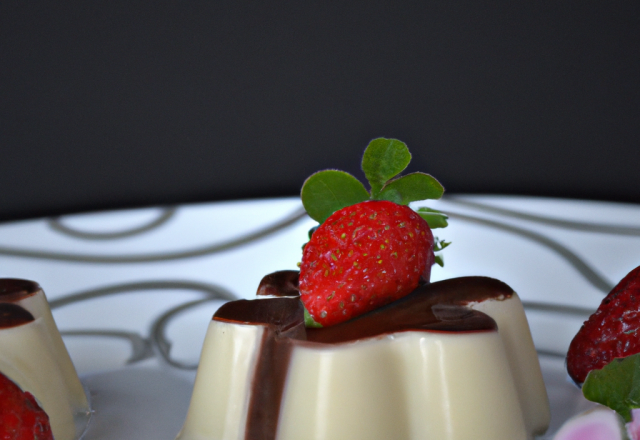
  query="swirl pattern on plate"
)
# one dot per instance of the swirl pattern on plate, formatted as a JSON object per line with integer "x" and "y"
{"x": 139, "y": 299}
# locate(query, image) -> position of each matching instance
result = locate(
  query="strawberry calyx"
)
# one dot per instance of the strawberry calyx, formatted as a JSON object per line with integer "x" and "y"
{"x": 309, "y": 322}
{"x": 328, "y": 191}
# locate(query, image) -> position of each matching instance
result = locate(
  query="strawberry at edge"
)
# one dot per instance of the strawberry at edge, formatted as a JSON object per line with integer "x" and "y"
{"x": 363, "y": 257}
{"x": 613, "y": 331}
{"x": 21, "y": 418}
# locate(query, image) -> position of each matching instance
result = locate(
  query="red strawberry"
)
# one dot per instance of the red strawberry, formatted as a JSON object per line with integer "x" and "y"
{"x": 613, "y": 331}
{"x": 362, "y": 257}
{"x": 20, "y": 416}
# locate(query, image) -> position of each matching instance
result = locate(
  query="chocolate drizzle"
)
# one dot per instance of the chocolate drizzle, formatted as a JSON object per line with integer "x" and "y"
{"x": 280, "y": 283}
{"x": 13, "y": 289}
{"x": 12, "y": 315}
{"x": 436, "y": 307}
{"x": 284, "y": 323}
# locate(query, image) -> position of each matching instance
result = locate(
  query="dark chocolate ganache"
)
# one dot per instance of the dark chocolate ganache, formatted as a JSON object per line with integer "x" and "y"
{"x": 13, "y": 315}
{"x": 280, "y": 283}
{"x": 11, "y": 291}
{"x": 435, "y": 307}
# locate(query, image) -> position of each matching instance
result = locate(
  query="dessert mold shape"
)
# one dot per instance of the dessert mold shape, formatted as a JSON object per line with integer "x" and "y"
{"x": 34, "y": 356}
{"x": 454, "y": 360}
{"x": 514, "y": 331}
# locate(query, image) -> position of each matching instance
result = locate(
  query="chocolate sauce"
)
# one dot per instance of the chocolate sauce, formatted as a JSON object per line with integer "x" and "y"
{"x": 13, "y": 290}
{"x": 281, "y": 313}
{"x": 280, "y": 283}
{"x": 13, "y": 315}
{"x": 283, "y": 319}
{"x": 436, "y": 307}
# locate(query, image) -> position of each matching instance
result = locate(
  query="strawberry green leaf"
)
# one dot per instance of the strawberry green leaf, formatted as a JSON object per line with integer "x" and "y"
{"x": 617, "y": 385}
{"x": 382, "y": 160}
{"x": 440, "y": 244}
{"x": 309, "y": 322}
{"x": 325, "y": 192}
{"x": 435, "y": 219}
{"x": 411, "y": 188}
{"x": 311, "y": 231}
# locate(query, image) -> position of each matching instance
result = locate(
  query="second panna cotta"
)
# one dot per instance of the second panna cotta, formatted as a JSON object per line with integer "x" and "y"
{"x": 34, "y": 357}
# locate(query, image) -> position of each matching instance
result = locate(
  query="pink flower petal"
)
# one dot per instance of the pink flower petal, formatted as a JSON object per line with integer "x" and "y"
{"x": 597, "y": 424}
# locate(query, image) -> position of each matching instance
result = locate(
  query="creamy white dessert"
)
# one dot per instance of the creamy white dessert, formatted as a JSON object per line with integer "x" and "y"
{"x": 33, "y": 355}
{"x": 452, "y": 361}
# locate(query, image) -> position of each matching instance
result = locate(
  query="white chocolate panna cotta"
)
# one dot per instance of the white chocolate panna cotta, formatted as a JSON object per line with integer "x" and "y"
{"x": 454, "y": 360}
{"x": 33, "y": 355}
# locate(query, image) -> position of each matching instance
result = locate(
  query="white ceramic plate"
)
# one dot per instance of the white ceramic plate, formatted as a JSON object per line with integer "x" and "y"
{"x": 133, "y": 291}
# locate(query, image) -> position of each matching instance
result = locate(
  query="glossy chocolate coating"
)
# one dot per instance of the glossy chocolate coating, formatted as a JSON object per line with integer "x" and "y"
{"x": 280, "y": 283}
{"x": 437, "y": 306}
{"x": 12, "y": 315}
{"x": 13, "y": 289}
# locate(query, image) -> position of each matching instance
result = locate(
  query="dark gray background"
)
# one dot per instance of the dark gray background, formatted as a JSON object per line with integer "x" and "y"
{"x": 107, "y": 104}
